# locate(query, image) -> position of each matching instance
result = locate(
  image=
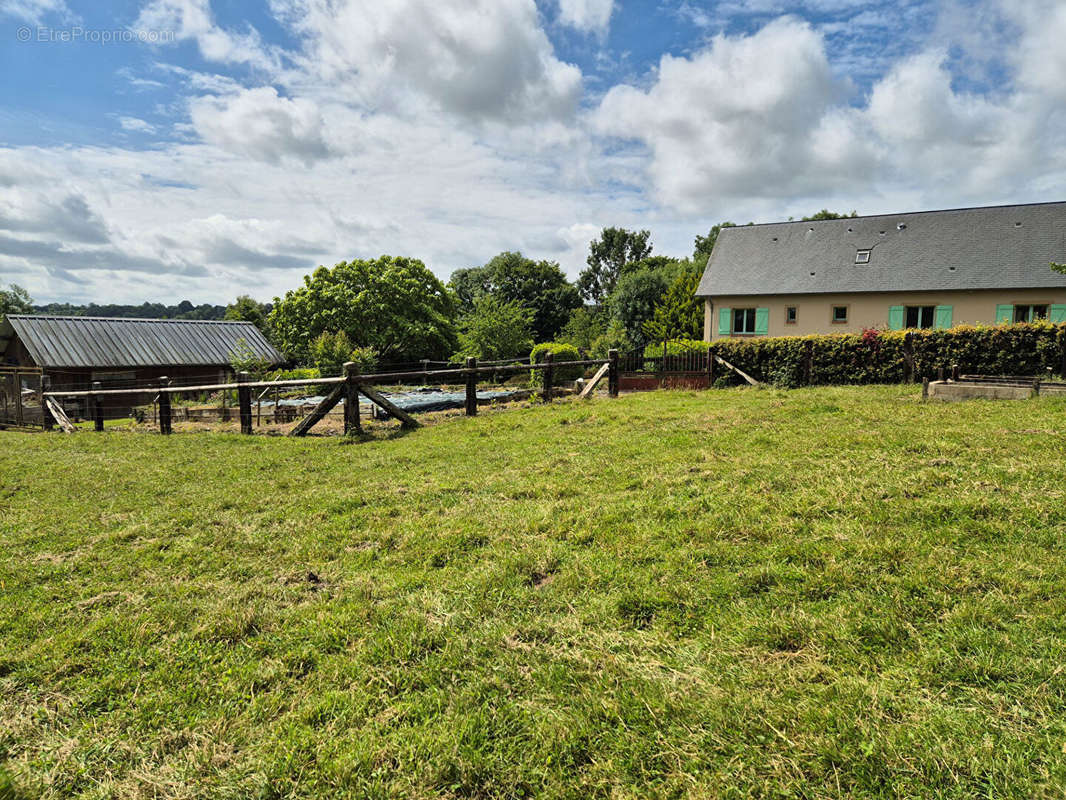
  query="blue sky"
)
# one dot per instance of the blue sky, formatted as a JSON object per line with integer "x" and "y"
{"x": 173, "y": 149}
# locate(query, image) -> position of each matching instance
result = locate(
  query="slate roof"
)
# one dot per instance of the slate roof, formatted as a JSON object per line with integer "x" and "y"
{"x": 55, "y": 341}
{"x": 999, "y": 247}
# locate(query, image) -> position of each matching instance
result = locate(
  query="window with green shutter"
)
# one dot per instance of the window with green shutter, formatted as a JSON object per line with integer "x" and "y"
{"x": 943, "y": 318}
{"x": 762, "y": 321}
{"x": 1057, "y": 313}
{"x": 725, "y": 321}
{"x": 1004, "y": 314}
{"x": 895, "y": 318}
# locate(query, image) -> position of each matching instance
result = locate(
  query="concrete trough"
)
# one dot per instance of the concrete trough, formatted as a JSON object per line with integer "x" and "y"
{"x": 950, "y": 391}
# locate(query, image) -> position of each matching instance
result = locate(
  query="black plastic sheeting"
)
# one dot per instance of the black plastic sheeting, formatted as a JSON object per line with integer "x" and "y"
{"x": 416, "y": 400}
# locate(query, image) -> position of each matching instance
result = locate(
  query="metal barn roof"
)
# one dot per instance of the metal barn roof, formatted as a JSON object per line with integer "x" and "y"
{"x": 55, "y": 341}
{"x": 999, "y": 247}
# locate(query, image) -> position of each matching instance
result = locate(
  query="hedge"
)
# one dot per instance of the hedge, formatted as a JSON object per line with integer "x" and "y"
{"x": 561, "y": 351}
{"x": 878, "y": 356}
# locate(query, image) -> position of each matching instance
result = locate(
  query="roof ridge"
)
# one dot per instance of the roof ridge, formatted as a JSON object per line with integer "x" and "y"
{"x": 896, "y": 214}
{"x": 130, "y": 319}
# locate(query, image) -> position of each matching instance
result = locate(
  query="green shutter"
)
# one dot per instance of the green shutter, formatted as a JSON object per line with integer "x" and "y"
{"x": 762, "y": 321}
{"x": 895, "y": 318}
{"x": 1004, "y": 314}
{"x": 1056, "y": 313}
{"x": 942, "y": 318}
{"x": 725, "y": 321}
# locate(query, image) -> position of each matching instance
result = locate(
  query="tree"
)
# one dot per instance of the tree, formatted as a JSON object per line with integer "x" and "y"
{"x": 330, "y": 351}
{"x": 245, "y": 309}
{"x": 633, "y": 301}
{"x": 496, "y": 329}
{"x": 540, "y": 286}
{"x": 825, "y": 213}
{"x": 608, "y": 257}
{"x": 15, "y": 300}
{"x": 585, "y": 325}
{"x": 393, "y": 304}
{"x": 679, "y": 313}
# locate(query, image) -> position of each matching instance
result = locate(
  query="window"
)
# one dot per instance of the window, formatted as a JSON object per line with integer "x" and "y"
{"x": 743, "y": 320}
{"x": 919, "y": 316}
{"x": 862, "y": 256}
{"x": 1029, "y": 313}
{"x": 790, "y": 315}
{"x": 840, "y": 314}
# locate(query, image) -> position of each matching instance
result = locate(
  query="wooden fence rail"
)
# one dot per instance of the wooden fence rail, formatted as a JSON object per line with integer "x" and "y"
{"x": 346, "y": 389}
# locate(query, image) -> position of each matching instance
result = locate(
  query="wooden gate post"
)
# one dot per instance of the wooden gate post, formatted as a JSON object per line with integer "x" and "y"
{"x": 352, "y": 423}
{"x": 612, "y": 373}
{"x": 46, "y": 414}
{"x": 471, "y": 387}
{"x": 908, "y": 357}
{"x": 97, "y": 407}
{"x": 549, "y": 376}
{"x": 244, "y": 402}
{"x": 955, "y": 372}
{"x": 164, "y": 406}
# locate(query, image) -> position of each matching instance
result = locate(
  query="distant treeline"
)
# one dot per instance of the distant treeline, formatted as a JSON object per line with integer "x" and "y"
{"x": 183, "y": 310}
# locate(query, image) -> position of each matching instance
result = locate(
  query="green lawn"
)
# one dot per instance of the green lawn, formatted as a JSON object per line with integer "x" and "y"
{"x": 744, "y": 593}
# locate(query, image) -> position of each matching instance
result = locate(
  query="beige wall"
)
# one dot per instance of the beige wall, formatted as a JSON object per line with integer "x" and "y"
{"x": 813, "y": 311}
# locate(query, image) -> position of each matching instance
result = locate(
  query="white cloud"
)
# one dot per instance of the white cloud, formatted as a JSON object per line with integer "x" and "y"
{"x": 586, "y": 15}
{"x": 259, "y": 124}
{"x": 193, "y": 20}
{"x": 735, "y": 119}
{"x": 33, "y": 11}
{"x": 136, "y": 125}
{"x": 484, "y": 60}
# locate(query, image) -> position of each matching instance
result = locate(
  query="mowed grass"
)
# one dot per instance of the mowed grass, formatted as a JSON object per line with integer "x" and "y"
{"x": 743, "y": 593}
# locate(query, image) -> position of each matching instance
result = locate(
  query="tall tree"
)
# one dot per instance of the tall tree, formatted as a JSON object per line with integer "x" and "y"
{"x": 393, "y": 304}
{"x": 15, "y": 300}
{"x": 825, "y": 213}
{"x": 633, "y": 301}
{"x": 607, "y": 259}
{"x": 496, "y": 329}
{"x": 245, "y": 309}
{"x": 539, "y": 286}
{"x": 679, "y": 313}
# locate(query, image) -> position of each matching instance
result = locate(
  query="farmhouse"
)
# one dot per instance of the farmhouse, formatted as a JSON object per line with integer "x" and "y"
{"x": 73, "y": 352}
{"x": 930, "y": 269}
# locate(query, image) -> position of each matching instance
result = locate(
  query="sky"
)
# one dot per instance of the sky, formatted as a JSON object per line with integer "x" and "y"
{"x": 165, "y": 150}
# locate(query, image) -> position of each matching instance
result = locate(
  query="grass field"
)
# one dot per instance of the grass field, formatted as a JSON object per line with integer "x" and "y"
{"x": 740, "y": 593}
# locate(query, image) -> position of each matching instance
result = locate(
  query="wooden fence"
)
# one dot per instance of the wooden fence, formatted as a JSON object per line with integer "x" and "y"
{"x": 345, "y": 390}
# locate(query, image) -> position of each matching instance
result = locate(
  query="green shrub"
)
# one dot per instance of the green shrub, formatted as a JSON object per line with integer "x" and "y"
{"x": 878, "y": 356}
{"x": 561, "y": 351}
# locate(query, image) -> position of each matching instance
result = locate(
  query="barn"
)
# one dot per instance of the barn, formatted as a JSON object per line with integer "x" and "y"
{"x": 71, "y": 353}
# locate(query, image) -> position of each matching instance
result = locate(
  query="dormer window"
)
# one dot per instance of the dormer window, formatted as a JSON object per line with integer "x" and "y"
{"x": 862, "y": 256}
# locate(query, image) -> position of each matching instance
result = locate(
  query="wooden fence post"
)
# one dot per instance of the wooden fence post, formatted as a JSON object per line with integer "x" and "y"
{"x": 908, "y": 357}
{"x": 17, "y": 376}
{"x": 710, "y": 368}
{"x": 97, "y": 407}
{"x": 46, "y": 414}
{"x": 352, "y": 423}
{"x": 925, "y": 388}
{"x": 955, "y": 372}
{"x": 1062, "y": 345}
{"x": 471, "y": 387}
{"x": 940, "y": 373}
{"x": 244, "y": 402}
{"x": 612, "y": 373}
{"x": 549, "y": 376}
{"x": 164, "y": 406}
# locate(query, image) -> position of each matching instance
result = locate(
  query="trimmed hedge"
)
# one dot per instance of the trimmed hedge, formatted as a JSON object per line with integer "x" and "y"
{"x": 561, "y": 351}
{"x": 878, "y": 356}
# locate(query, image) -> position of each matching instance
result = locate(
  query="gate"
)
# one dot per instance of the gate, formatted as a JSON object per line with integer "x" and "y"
{"x": 693, "y": 369}
{"x": 20, "y": 397}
